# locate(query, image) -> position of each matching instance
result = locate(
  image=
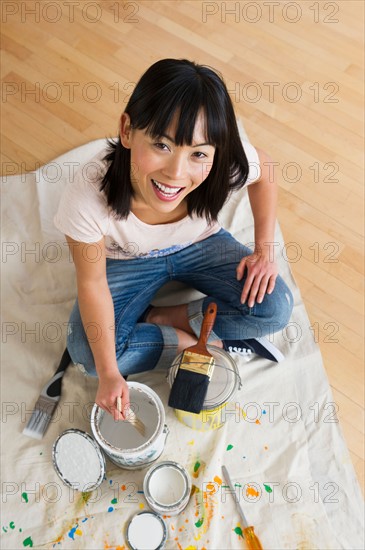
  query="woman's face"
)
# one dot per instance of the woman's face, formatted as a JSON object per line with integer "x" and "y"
{"x": 162, "y": 173}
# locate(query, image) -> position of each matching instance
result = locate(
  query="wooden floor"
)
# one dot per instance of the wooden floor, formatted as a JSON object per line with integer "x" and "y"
{"x": 295, "y": 73}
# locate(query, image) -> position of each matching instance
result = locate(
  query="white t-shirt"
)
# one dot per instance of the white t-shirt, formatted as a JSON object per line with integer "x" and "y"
{"x": 84, "y": 215}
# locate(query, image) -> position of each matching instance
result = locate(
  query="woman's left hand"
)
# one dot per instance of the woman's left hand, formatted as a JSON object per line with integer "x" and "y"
{"x": 261, "y": 276}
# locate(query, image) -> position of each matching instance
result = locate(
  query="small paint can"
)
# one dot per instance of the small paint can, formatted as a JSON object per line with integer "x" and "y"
{"x": 146, "y": 531}
{"x": 167, "y": 488}
{"x": 78, "y": 460}
{"x": 121, "y": 441}
{"x": 223, "y": 386}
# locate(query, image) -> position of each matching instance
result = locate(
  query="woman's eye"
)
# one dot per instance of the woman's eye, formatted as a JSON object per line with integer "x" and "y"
{"x": 200, "y": 155}
{"x": 161, "y": 146}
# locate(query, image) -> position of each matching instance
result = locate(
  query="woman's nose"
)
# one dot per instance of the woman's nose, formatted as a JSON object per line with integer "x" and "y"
{"x": 176, "y": 167}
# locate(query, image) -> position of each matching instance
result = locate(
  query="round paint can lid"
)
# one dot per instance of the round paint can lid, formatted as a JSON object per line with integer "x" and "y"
{"x": 146, "y": 531}
{"x": 78, "y": 460}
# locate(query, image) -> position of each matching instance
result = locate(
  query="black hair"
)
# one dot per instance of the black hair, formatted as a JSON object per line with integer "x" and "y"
{"x": 180, "y": 86}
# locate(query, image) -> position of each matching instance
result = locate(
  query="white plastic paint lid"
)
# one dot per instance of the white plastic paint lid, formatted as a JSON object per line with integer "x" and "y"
{"x": 146, "y": 531}
{"x": 78, "y": 460}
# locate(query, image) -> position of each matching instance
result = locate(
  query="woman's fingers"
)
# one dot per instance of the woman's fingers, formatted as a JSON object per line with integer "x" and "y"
{"x": 260, "y": 279}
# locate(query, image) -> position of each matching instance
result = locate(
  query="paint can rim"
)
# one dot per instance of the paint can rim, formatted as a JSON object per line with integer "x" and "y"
{"x": 134, "y": 451}
{"x": 179, "y": 504}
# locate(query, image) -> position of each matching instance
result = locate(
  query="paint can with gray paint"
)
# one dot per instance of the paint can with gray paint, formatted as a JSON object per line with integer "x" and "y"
{"x": 124, "y": 445}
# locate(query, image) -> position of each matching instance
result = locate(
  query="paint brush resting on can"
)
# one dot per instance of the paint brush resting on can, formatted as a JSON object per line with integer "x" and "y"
{"x": 195, "y": 370}
{"x": 131, "y": 418}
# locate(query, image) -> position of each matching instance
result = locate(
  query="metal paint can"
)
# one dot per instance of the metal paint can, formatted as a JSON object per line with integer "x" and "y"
{"x": 121, "y": 442}
{"x": 167, "y": 488}
{"x": 146, "y": 531}
{"x": 222, "y": 388}
{"x": 78, "y": 460}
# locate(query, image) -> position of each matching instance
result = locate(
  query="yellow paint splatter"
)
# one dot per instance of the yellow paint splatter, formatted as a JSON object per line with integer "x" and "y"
{"x": 191, "y": 442}
{"x": 190, "y": 548}
{"x": 244, "y": 414}
{"x": 78, "y": 532}
{"x": 141, "y": 505}
{"x": 218, "y": 480}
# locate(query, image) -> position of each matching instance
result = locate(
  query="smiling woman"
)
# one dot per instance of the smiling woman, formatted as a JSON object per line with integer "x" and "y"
{"x": 152, "y": 211}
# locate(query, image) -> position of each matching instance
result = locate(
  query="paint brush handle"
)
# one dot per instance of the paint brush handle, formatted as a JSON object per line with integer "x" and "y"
{"x": 53, "y": 387}
{"x": 206, "y": 328}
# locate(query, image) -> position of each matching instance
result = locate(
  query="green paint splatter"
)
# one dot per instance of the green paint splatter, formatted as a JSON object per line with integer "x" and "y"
{"x": 41, "y": 453}
{"x": 11, "y": 525}
{"x": 268, "y": 488}
{"x": 28, "y": 542}
{"x": 20, "y": 530}
{"x": 114, "y": 501}
{"x": 229, "y": 447}
{"x": 86, "y": 497}
{"x": 196, "y": 466}
{"x": 5, "y": 530}
{"x": 25, "y": 497}
{"x": 199, "y": 523}
{"x": 238, "y": 531}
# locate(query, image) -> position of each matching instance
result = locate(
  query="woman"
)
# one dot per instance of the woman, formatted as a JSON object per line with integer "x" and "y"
{"x": 150, "y": 216}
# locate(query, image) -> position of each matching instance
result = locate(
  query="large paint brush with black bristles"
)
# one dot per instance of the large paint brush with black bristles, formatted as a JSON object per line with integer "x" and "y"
{"x": 195, "y": 370}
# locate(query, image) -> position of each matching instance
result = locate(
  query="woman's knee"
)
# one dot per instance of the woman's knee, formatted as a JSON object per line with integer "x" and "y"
{"x": 79, "y": 348}
{"x": 282, "y": 305}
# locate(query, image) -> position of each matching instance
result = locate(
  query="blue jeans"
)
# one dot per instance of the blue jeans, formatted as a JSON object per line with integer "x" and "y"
{"x": 208, "y": 266}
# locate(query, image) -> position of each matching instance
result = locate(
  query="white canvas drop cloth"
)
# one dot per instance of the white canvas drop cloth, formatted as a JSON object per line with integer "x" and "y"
{"x": 282, "y": 445}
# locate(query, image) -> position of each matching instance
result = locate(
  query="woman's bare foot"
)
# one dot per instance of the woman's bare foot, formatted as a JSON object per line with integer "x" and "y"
{"x": 177, "y": 317}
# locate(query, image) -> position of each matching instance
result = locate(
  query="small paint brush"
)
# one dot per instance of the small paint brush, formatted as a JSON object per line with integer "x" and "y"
{"x": 47, "y": 401}
{"x": 132, "y": 418}
{"x": 195, "y": 370}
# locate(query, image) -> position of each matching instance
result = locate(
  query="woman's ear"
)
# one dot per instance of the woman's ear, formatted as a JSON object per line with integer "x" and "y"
{"x": 125, "y": 130}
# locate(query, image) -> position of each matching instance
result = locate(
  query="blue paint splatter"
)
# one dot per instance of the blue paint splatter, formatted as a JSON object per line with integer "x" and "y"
{"x": 263, "y": 412}
{"x": 110, "y": 509}
{"x": 72, "y": 532}
{"x": 83, "y": 521}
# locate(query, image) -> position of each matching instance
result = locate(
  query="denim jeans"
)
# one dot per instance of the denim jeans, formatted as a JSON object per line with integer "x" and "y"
{"x": 209, "y": 266}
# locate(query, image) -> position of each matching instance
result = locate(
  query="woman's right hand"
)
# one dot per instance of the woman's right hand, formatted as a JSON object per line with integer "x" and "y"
{"x": 112, "y": 386}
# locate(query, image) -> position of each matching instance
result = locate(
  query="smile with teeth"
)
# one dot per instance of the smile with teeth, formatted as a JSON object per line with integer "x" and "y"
{"x": 167, "y": 191}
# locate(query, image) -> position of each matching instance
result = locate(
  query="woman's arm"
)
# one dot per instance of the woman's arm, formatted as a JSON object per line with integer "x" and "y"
{"x": 97, "y": 313}
{"x": 261, "y": 266}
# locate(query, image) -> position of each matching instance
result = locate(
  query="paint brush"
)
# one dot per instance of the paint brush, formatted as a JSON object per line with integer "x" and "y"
{"x": 195, "y": 370}
{"x": 132, "y": 418}
{"x": 47, "y": 401}
{"x": 251, "y": 539}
